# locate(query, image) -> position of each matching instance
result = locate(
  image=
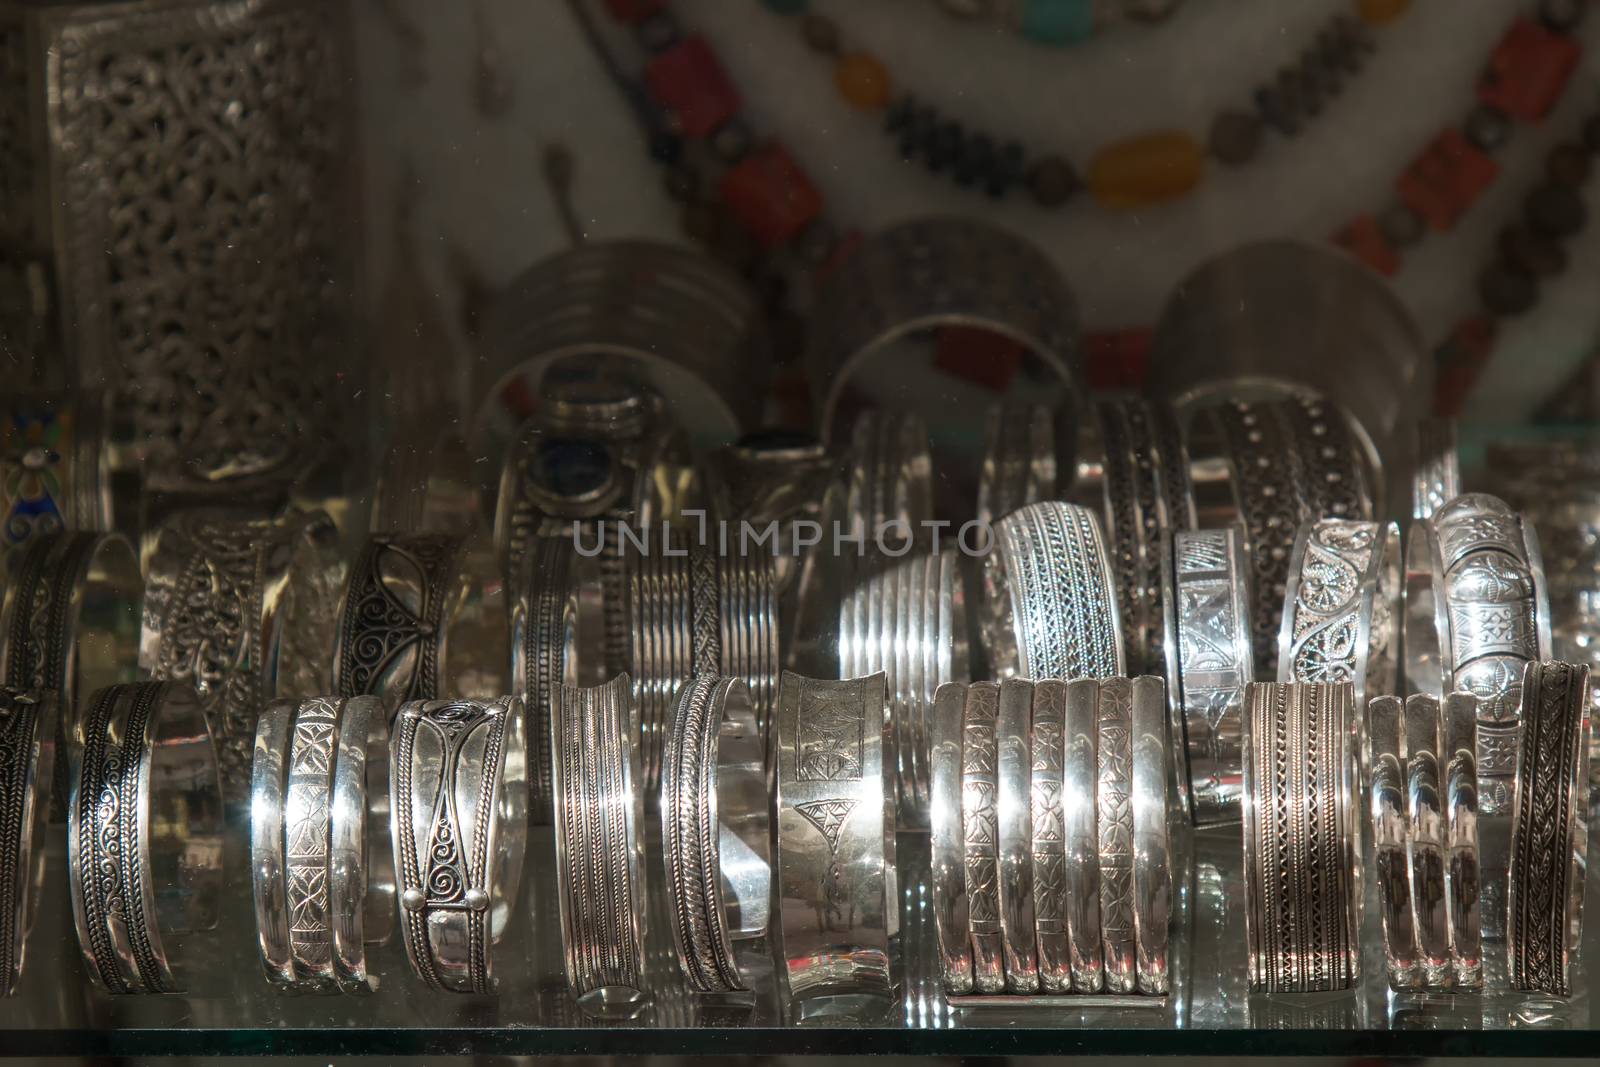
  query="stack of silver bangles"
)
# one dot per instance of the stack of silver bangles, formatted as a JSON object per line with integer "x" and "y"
{"x": 1050, "y": 606}
{"x": 1302, "y": 837}
{"x": 1052, "y": 857}
{"x": 698, "y": 612}
{"x": 1549, "y": 830}
{"x": 715, "y": 832}
{"x": 322, "y": 872}
{"x": 1020, "y": 461}
{"x": 889, "y": 493}
{"x": 144, "y": 832}
{"x": 599, "y": 818}
{"x": 458, "y": 826}
{"x": 1342, "y": 605}
{"x": 1422, "y": 791}
{"x": 27, "y": 768}
{"x": 1205, "y": 593}
{"x": 908, "y": 620}
{"x": 836, "y": 895}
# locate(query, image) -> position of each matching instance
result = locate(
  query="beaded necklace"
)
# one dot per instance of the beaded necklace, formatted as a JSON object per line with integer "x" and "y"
{"x": 1138, "y": 171}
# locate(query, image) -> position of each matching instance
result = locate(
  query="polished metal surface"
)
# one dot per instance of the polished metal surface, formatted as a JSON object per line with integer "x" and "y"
{"x": 28, "y": 740}
{"x": 1154, "y": 877}
{"x": 458, "y": 827}
{"x": 144, "y": 832}
{"x": 1387, "y": 809}
{"x": 1341, "y": 606}
{"x": 1437, "y": 477}
{"x": 836, "y": 890}
{"x": 889, "y": 489}
{"x": 1014, "y": 825}
{"x": 546, "y": 653}
{"x": 1206, "y": 601}
{"x": 1021, "y": 461}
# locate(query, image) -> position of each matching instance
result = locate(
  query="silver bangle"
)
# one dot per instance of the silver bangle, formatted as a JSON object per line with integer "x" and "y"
{"x": 1046, "y": 760}
{"x": 1153, "y": 858}
{"x": 600, "y": 846}
{"x": 144, "y": 831}
{"x": 696, "y": 612}
{"x": 1081, "y": 814}
{"x": 908, "y": 620}
{"x": 938, "y": 271}
{"x": 1391, "y": 833}
{"x": 55, "y": 471}
{"x": 426, "y": 488}
{"x": 1019, "y": 933}
{"x": 458, "y": 770}
{"x": 1443, "y": 847}
{"x": 1437, "y": 478}
{"x": 1206, "y": 600}
{"x": 546, "y": 653}
{"x": 1476, "y": 612}
{"x": 890, "y": 487}
{"x": 27, "y": 766}
{"x": 1549, "y": 839}
{"x": 242, "y": 609}
{"x": 947, "y": 878}
{"x": 409, "y": 599}
{"x": 1464, "y": 859}
{"x": 1114, "y": 800}
{"x": 1051, "y": 608}
{"x": 836, "y": 897}
{"x": 715, "y": 832}
{"x": 1302, "y": 854}
{"x": 1020, "y": 463}
{"x": 322, "y": 874}
{"x": 1342, "y": 606}
{"x": 1329, "y": 460}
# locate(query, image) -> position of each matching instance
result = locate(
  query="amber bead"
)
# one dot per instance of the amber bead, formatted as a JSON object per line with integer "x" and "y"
{"x": 1378, "y": 12}
{"x": 862, "y": 80}
{"x": 1146, "y": 170}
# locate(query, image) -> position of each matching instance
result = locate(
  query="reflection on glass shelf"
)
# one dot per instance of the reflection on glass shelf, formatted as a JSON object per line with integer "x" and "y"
{"x": 230, "y": 1006}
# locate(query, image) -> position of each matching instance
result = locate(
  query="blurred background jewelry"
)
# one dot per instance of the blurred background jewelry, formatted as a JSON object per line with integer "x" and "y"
{"x": 836, "y": 893}
{"x": 715, "y": 831}
{"x": 1437, "y": 478}
{"x": 600, "y": 846}
{"x": 1206, "y": 602}
{"x": 459, "y": 774}
{"x": 144, "y": 832}
{"x": 241, "y": 608}
{"x": 1021, "y": 464}
{"x": 56, "y": 468}
{"x": 1549, "y": 830}
{"x": 27, "y": 776}
{"x": 1302, "y": 871}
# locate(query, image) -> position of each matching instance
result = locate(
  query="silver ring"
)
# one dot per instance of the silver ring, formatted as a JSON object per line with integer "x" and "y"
{"x": 1206, "y": 599}
{"x": 1342, "y": 606}
{"x": 1549, "y": 839}
{"x": 1391, "y": 834}
{"x": 1302, "y": 839}
{"x": 1050, "y": 604}
{"x": 1437, "y": 478}
{"x": 836, "y": 895}
{"x": 27, "y": 766}
{"x": 144, "y": 831}
{"x": 715, "y": 831}
{"x": 69, "y": 625}
{"x": 1020, "y": 464}
{"x": 908, "y": 620}
{"x": 322, "y": 872}
{"x": 242, "y": 609}
{"x": 422, "y": 614}
{"x": 933, "y": 272}
{"x": 458, "y": 825}
{"x": 696, "y": 612}
{"x": 1476, "y": 612}
{"x": 55, "y": 469}
{"x": 600, "y": 846}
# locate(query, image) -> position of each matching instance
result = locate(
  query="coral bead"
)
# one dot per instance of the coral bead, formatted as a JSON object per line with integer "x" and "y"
{"x": 862, "y": 80}
{"x": 1147, "y": 169}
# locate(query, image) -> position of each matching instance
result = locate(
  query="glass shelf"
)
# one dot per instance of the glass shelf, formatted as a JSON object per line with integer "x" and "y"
{"x": 231, "y": 1009}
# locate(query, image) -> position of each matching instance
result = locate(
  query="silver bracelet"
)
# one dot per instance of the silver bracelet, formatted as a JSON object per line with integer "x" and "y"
{"x": 1440, "y": 742}
{"x": 1020, "y": 462}
{"x": 1301, "y": 855}
{"x": 545, "y": 628}
{"x": 1114, "y": 799}
{"x": 426, "y": 487}
{"x": 1327, "y": 454}
{"x": 27, "y": 767}
{"x": 600, "y": 846}
{"x": 715, "y": 831}
{"x": 908, "y": 620}
{"x": 698, "y": 613}
{"x": 1019, "y": 932}
{"x": 1549, "y": 839}
{"x": 836, "y": 896}
{"x": 1464, "y": 858}
{"x": 410, "y": 597}
{"x": 1206, "y": 600}
{"x": 1154, "y": 896}
{"x": 938, "y": 271}
{"x": 1391, "y": 834}
{"x": 144, "y": 831}
{"x": 459, "y": 774}
{"x": 1342, "y": 606}
{"x": 889, "y": 494}
{"x": 1476, "y": 612}
{"x": 242, "y": 609}
{"x": 1051, "y": 609}
{"x": 322, "y": 874}
{"x": 1436, "y": 479}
